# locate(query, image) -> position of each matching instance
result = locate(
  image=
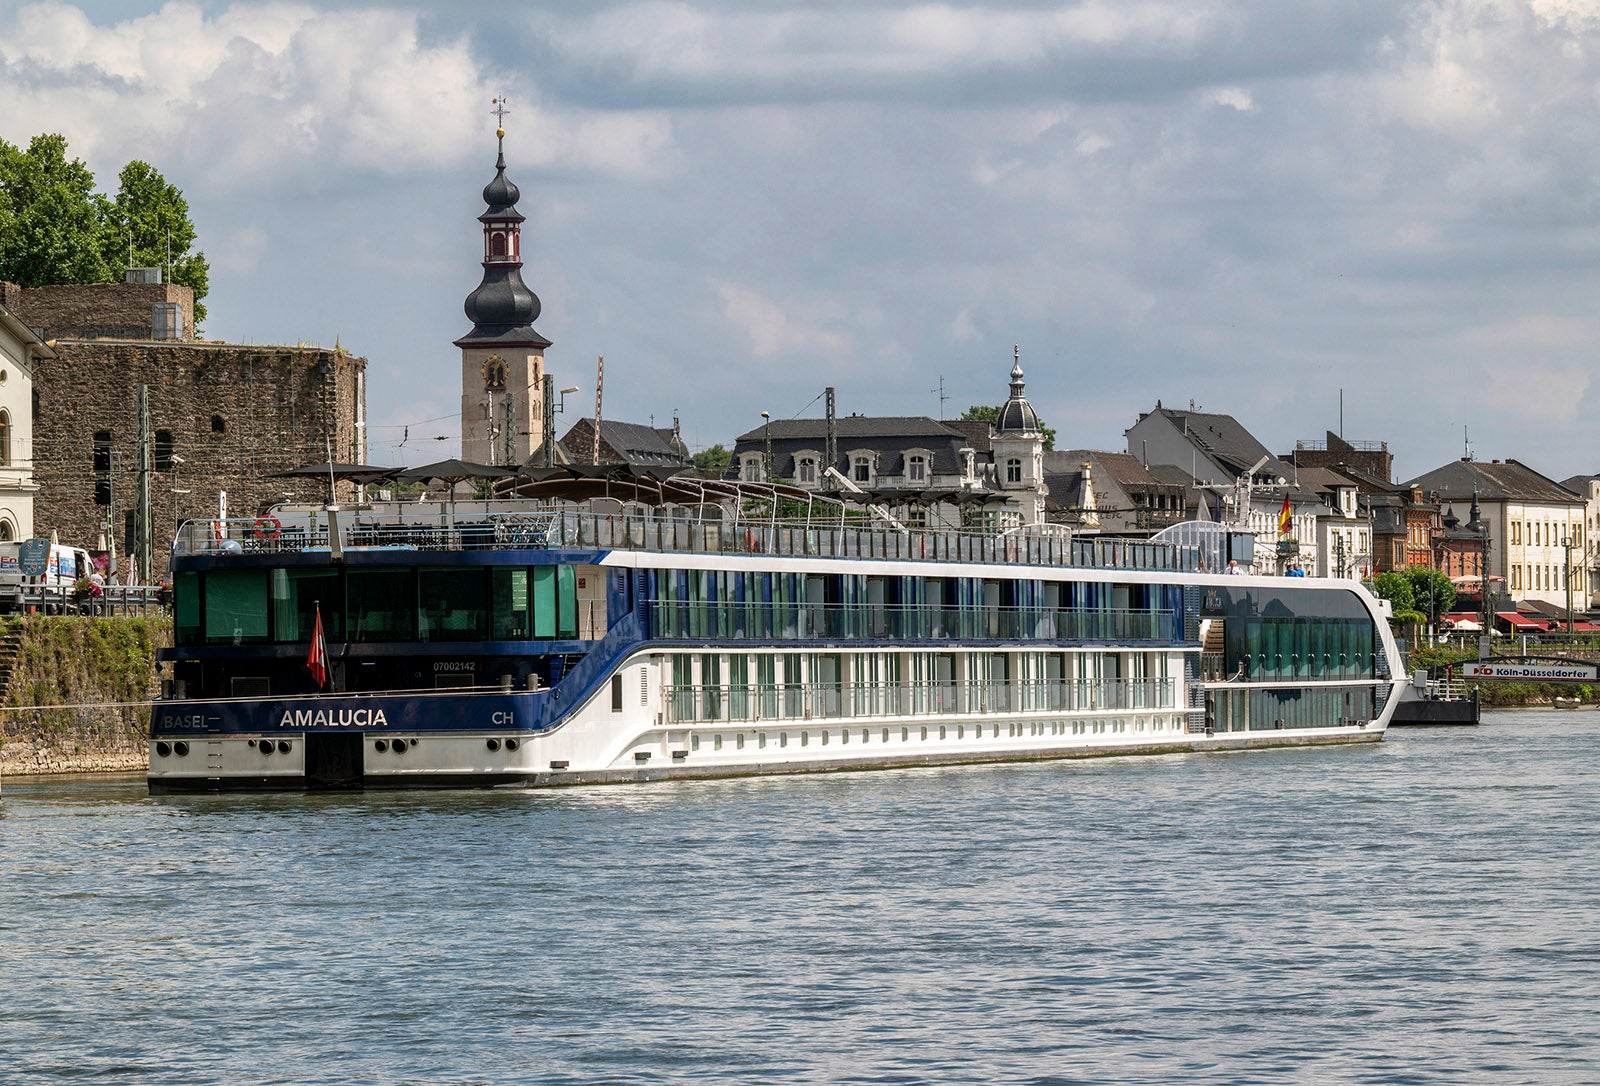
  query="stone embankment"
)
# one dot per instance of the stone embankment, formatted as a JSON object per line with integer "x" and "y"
{"x": 75, "y": 692}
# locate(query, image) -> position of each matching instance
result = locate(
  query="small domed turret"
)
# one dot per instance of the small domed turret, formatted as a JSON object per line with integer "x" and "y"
{"x": 1017, "y": 414}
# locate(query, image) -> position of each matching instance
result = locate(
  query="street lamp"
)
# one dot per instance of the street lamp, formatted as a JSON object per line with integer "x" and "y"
{"x": 766, "y": 429}
{"x": 1566, "y": 578}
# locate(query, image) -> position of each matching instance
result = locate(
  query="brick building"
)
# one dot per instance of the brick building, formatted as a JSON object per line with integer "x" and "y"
{"x": 223, "y": 417}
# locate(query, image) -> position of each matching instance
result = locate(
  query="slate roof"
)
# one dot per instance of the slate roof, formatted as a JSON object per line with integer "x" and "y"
{"x": 1495, "y": 481}
{"x": 887, "y": 437}
{"x": 635, "y": 444}
{"x": 1228, "y": 442}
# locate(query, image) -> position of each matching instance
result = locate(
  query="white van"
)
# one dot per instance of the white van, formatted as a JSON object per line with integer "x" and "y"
{"x": 66, "y": 565}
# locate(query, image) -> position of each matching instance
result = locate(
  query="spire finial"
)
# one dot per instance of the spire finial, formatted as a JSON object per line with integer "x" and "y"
{"x": 500, "y": 112}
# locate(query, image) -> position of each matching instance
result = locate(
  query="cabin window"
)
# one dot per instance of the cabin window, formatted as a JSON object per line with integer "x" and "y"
{"x": 616, "y": 697}
{"x": 381, "y": 604}
{"x": 236, "y": 606}
{"x": 454, "y": 604}
{"x": 186, "y": 607}
{"x": 513, "y": 617}
{"x": 297, "y": 596}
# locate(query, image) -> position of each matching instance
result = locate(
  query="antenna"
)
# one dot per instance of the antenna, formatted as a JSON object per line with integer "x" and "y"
{"x": 599, "y": 387}
{"x": 942, "y": 396}
{"x": 1466, "y": 444}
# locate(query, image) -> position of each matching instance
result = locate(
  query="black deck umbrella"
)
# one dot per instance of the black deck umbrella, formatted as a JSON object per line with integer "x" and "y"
{"x": 454, "y": 471}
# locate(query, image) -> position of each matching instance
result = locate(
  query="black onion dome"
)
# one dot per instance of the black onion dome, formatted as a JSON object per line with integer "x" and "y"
{"x": 503, "y": 300}
{"x": 1017, "y": 413}
{"x": 501, "y": 194}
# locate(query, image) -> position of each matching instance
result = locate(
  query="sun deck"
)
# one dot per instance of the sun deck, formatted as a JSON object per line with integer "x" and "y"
{"x": 519, "y": 525}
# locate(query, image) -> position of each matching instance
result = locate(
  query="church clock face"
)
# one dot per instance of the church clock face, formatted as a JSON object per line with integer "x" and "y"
{"x": 494, "y": 374}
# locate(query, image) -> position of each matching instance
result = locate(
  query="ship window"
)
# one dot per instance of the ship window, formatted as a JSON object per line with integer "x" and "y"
{"x": 455, "y": 604}
{"x": 924, "y": 734}
{"x": 186, "y": 605}
{"x": 236, "y": 606}
{"x": 513, "y": 618}
{"x": 805, "y": 739}
{"x": 761, "y": 739}
{"x": 694, "y": 741}
{"x": 905, "y": 735}
{"x": 297, "y": 596}
{"x": 738, "y": 741}
{"x": 783, "y": 739}
{"x": 716, "y": 742}
{"x": 380, "y": 604}
{"x": 616, "y": 693}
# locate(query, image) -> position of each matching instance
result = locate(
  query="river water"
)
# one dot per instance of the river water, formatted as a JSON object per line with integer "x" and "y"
{"x": 1426, "y": 910}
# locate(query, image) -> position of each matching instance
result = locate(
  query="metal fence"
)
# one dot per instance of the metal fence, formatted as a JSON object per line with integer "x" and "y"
{"x": 805, "y": 701}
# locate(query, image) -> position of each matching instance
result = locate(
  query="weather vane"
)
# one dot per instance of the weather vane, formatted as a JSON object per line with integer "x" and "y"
{"x": 500, "y": 112}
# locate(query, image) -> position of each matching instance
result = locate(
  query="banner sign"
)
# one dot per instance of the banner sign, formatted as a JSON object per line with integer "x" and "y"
{"x": 1541, "y": 673}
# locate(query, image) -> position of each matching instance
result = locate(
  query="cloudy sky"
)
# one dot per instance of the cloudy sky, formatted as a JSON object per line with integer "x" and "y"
{"x": 1253, "y": 205}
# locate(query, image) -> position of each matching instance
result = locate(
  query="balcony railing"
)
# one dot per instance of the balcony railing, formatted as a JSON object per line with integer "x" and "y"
{"x": 780, "y": 621}
{"x": 759, "y": 703}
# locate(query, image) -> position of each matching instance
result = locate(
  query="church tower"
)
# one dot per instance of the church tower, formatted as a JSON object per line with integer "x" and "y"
{"x": 502, "y": 358}
{"x": 1018, "y": 444}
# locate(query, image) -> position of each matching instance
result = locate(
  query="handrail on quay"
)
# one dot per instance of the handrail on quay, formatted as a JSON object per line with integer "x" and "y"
{"x": 489, "y": 525}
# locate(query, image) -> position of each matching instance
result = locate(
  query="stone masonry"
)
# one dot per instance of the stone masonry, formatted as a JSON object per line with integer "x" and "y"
{"x": 223, "y": 416}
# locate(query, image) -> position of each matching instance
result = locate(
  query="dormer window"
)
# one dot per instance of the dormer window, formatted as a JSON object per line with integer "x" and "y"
{"x": 750, "y": 469}
{"x": 805, "y": 470}
{"x": 917, "y": 469}
{"x": 862, "y": 470}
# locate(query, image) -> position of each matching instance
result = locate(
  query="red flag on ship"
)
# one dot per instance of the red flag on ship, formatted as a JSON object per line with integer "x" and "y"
{"x": 1285, "y": 517}
{"x": 317, "y": 661}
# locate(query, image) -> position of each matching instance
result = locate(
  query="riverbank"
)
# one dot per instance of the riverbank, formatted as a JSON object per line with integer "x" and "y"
{"x": 75, "y": 692}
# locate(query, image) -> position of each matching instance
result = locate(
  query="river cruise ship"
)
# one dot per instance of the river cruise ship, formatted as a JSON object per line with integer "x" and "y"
{"x": 429, "y": 645}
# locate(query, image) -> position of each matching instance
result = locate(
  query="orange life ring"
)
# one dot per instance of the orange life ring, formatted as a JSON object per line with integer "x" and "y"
{"x": 268, "y": 528}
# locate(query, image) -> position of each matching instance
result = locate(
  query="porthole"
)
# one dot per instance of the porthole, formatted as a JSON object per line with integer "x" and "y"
{"x": 180, "y": 748}
{"x": 492, "y": 744}
{"x": 283, "y": 746}
{"x": 380, "y": 745}
{"x": 164, "y": 749}
{"x": 398, "y": 746}
{"x": 513, "y": 744}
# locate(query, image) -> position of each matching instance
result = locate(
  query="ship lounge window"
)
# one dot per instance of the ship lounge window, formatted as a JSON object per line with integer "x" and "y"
{"x": 455, "y": 604}
{"x": 186, "y": 608}
{"x": 380, "y": 604}
{"x": 236, "y": 606}
{"x": 298, "y": 595}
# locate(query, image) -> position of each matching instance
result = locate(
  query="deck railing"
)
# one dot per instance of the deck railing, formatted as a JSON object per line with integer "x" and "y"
{"x": 507, "y": 525}
{"x": 807, "y": 701}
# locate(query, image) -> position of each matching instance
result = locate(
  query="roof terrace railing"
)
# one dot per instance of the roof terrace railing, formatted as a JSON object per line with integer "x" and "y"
{"x": 490, "y": 528}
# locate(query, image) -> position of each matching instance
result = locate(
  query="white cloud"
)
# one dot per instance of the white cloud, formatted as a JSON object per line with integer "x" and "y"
{"x": 768, "y": 327}
{"x": 258, "y": 92}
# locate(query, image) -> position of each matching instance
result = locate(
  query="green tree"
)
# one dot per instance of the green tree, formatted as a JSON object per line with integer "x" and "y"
{"x": 991, "y": 415}
{"x": 152, "y": 217}
{"x": 1431, "y": 591}
{"x": 1396, "y": 588}
{"x": 55, "y": 228}
{"x": 52, "y": 222}
{"x": 713, "y": 461}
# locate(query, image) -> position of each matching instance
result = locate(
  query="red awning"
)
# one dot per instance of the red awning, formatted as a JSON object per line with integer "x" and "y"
{"x": 1518, "y": 622}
